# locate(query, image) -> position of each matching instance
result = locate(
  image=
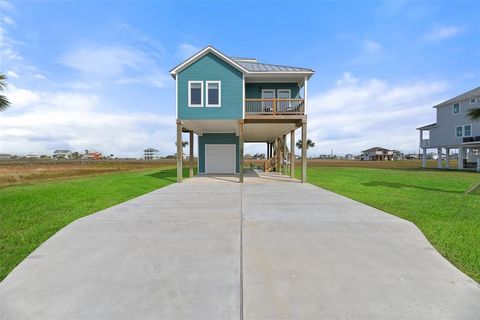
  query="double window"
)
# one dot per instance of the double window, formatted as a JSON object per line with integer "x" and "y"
{"x": 456, "y": 108}
{"x": 463, "y": 131}
{"x": 213, "y": 93}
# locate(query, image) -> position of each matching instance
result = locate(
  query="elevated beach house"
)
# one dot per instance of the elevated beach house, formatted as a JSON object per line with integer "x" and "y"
{"x": 229, "y": 101}
{"x": 454, "y": 130}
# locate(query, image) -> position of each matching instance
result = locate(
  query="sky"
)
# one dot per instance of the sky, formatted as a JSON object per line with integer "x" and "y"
{"x": 95, "y": 75}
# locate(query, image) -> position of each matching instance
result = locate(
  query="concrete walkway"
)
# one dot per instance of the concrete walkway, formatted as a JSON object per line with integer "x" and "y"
{"x": 211, "y": 248}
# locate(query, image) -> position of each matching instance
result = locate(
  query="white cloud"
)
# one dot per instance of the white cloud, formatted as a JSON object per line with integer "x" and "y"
{"x": 350, "y": 118}
{"x": 119, "y": 64}
{"x": 52, "y": 120}
{"x": 186, "y": 50}
{"x": 439, "y": 33}
{"x": 8, "y": 20}
{"x": 347, "y": 79}
{"x": 21, "y": 97}
{"x": 12, "y": 74}
{"x": 371, "y": 46}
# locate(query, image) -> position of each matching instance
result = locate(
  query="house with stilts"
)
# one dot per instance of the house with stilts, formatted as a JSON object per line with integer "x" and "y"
{"x": 454, "y": 129}
{"x": 229, "y": 101}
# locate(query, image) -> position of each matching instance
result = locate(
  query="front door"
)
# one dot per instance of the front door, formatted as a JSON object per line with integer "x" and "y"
{"x": 267, "y": 106}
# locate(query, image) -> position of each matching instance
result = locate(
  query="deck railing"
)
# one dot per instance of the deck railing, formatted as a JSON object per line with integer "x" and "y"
{"x": 275, "y": 106}
{"x": 425, "y": 143}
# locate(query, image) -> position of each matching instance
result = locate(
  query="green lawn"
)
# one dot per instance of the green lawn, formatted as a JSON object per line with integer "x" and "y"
{"x": 30, "y": 214}
{"x": 432, "y": 199}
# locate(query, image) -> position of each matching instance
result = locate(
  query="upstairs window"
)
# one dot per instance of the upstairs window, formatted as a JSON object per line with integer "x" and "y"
{"x": 459, "y": 131}
{"x": 213, "y": 93}
{"x": 467, "y": 130}
{"x": 473, "y": 100}
{"x": 195, "y": 93}
{"x": 456, "y": 108}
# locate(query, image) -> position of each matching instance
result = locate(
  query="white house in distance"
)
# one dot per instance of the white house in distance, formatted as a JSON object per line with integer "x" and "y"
{"x": 150, "y": 154}
{"x": 454, "y": 130}
{"x": 378, "y": 153}
{"x": 61, "y": 154}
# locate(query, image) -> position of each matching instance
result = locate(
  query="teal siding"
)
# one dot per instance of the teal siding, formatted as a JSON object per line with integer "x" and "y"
{"x": 254, "y": 90}
{"x": 216, "y": 138}
{"x": 211, "y": 68}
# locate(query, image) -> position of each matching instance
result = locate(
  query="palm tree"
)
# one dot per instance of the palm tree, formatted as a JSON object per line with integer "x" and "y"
{"x": 4, "y": 103}
{"x": 310, "y": 144}
{"x": 474, "y": 114}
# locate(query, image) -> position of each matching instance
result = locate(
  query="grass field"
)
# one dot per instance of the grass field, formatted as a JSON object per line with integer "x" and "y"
{"x": 434, "y": 200}
{"x": 32, "y": 213}
{"x": 23, "y": 172}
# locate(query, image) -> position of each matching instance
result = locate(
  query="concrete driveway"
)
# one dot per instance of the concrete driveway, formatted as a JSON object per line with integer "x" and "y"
{"x": 211, "y": 248}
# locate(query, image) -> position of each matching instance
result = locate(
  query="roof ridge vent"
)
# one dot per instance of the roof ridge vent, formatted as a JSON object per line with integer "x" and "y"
{"x": 242, "y": 59}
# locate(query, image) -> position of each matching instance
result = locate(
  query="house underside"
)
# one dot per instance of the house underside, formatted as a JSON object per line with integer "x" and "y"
{"x": 220, "y": 142}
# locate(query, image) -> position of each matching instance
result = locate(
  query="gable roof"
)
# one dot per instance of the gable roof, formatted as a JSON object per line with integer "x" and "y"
{"x": 245, "y": 65}
{"x": 376, "y": 149}
{"x": 464, "y": 96}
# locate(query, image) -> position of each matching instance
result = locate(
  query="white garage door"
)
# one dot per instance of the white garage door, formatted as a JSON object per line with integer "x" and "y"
{"x": 220, "y": 158}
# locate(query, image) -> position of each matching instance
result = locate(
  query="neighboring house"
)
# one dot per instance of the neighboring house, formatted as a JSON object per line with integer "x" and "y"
{"x": 349, "y": 156}
{"x": 150, "y": 154}
{"x": 92, "y": 155}
{"x": 5, "y": 156}
{"x": 61, "y": 154}
{"x": 228, "y": 101}
{"x": 454, "y": 130}
{"x": 378, "y": 153}
{"x": 33, "y": 156}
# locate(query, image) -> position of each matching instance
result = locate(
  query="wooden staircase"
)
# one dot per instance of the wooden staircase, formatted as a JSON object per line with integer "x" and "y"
{"x": 280, "y": 152}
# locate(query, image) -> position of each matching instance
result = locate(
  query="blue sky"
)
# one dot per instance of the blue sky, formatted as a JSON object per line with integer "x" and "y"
{"x": 94, "y": 75}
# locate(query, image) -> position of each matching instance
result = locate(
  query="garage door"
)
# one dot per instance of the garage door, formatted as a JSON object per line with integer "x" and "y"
{"x": 220, "y": 158}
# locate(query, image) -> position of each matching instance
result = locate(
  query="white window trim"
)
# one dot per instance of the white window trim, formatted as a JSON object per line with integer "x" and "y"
{"x": 459, "y": 108}
{"x": 471, "y": 129}
{"x": 460, "y": 136}
{"x": 289, "y": 93}
{"x": 201, "y": 95}
{"x": 475, "y": 100}
{"x": 219, "y": 94}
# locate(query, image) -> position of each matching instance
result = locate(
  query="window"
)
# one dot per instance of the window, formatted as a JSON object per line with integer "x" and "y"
{"x": 467, "y": 130}
{"x": 195, "y": 94}
{"x": 459, "y": 131}
{"x": 456, "y": 108}
{"x": 283, "y": 93}
{"x": 214, "y": 96}
{"x": 473, "y": 100}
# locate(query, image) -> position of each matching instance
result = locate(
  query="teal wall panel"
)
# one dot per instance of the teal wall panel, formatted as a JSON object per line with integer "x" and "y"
{"x": 211, "y": 68}
{"x": 254, "y": 90}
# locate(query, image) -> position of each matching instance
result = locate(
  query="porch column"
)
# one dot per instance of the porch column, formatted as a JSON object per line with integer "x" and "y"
{"x": 278, "y": 159}
{"x": 179, "y": 152}
{"x": 304, "y": 152}
{"x": 292, "y": 154}
{"x": 424, "y": 157}
{"x": 439, "y": 158}
{"x": 268, "y": 151}
{"x": 447, "y": 158}
{"x": 240, "y": 130}
{"x": 460, "y": 157}
{"x": 191, "y": 155}
{"x": 284, "y": 153}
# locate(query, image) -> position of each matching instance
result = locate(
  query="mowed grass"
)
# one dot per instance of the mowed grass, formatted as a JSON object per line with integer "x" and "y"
{"x": 434, "y": 200}
{"x": 30, "y": 214}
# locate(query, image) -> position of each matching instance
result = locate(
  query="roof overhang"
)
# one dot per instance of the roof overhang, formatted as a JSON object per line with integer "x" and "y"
{"x": 266, "y": 74}
{"x": 428, "y": 126}
{"x": 200, "y": 54}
